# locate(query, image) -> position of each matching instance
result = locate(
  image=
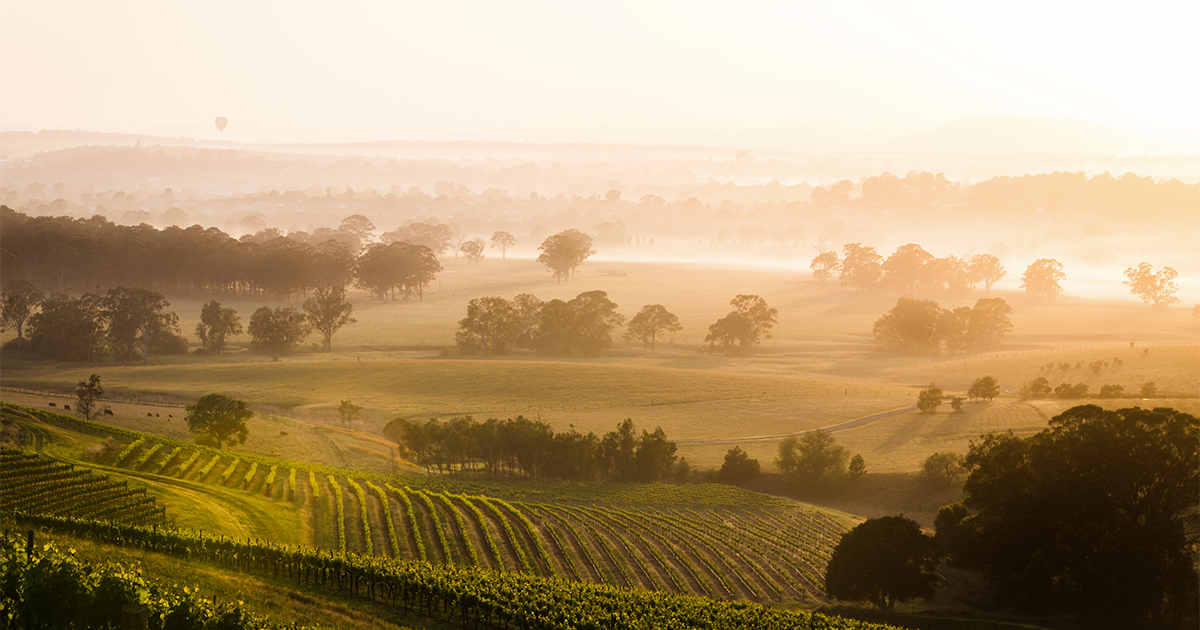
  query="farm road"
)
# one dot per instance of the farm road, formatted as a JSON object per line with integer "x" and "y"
{"x": 830, "y": 429}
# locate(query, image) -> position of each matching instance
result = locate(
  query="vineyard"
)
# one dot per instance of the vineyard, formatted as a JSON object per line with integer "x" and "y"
{"x": 687, "y": 540}
{"x": 39, "y": 484}
{"x": 466, "y": 596}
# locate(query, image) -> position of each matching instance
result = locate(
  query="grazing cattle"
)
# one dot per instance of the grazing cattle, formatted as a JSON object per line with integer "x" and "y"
{"x": 170, "y": 416}
{"x": 108, "y": 412}
{"x": 67, "y": 407}
{"x": 53, "y": 405}
{"x": 156, "y": 415}
{"x": 149, "y": 415}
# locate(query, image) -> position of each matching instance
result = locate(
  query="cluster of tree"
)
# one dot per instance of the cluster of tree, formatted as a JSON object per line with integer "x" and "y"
{"x": 921, "y": 327}
{"x": 399, "y": 266}
{"x": 128, "y": 324}
{"x": 1093, "y": 515}
{"x": 749, "y": 322}
{"x": 1040, "y": 388}
{"x": 910, "y": 270}
{"x": 885, "y": 561}
{"x": 520, "y": 446}
{"x": 815, "y": 458}
{"x": 563, "y": 252}
{"x": 60, "y": 252}
{"x": 125, "y": 324}
{"x": 581, "y": 326}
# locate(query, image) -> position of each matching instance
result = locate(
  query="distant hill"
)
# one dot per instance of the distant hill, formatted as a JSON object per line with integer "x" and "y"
{"x": 984, "y": 135}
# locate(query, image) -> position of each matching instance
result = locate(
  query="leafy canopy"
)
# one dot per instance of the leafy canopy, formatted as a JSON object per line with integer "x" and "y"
{"x": 884, "y": 561}
{"x": 216, "y": 420}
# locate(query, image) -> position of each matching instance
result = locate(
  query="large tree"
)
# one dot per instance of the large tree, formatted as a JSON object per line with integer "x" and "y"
{"x": 328, "y": 311}
{"x": 987, "y": 323}
{"x": 87, "y": 393}
{"x": 490, "y": 327}
{"x": 987, "y": 269}
{"x": 563, "y": 252}
{"x": 825, "y": 263}
{"x": 984, "y": 388}
{"x": 472, "y": 250}
{"x": 910, "y": 327}
{"x": 905, "y": 269}
{"x": 651, "y": 321}
{"x": 502, "y": 241}
{"x": 812, "y": 458}
{"x": 1041, "y": 279}
{"x": 216, "y": 420}
{"x": 277, "y": 329}
{"x": 138, "y": 317}
{"x": 1157, "y": 289}
{"x": 1094, "y": 514}
{"x": 67, "y": 328}
{"x": 884, "y": 561}
{"x": 734, "y": 332}
{"x": 738, "y": 467}
{"x": 861, "y": 267}
{"x": 216, "y": 325}
{"x": 595, "y": 317}
{"x": 17, "y": 304}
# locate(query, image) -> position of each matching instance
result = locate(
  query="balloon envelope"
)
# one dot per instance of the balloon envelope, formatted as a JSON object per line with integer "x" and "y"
{"x": 221, "y": 122}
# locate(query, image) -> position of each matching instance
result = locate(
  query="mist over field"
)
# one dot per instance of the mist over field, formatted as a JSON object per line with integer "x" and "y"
{"x": 620, "y": 316}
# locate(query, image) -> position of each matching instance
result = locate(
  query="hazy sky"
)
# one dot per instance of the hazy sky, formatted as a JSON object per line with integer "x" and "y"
{"x": 576, "y": 71}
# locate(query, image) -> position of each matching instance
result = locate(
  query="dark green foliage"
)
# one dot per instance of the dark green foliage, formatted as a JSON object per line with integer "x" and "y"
{"x": 1091, "y": 515}
{"x": 1112, "y": 391}
{"x": 884, "y": 561}
{"x": 216, "y": 419}
{"x": 738, "y": 467}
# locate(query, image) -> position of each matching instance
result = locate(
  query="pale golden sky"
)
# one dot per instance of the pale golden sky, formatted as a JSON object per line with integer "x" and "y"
{"x": 588, "y": 71}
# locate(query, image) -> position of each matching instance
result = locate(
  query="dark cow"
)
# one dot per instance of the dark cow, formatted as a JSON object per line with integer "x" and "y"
{"x": 108, "y": 412}
{"x": 149, "y": 415}
{"x": 67, "y": 407}
{"x": 53, "y": 405}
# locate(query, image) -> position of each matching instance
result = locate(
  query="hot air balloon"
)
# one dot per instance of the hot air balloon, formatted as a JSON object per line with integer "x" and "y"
{"x": 221, "y": 122}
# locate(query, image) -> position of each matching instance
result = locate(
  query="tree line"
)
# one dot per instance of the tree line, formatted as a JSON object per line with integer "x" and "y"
{"x": 583, "y": 325}
{"x": 59, "y": 252}
{"x": 132, "y": 323}
{"x": 912, "y": 271}
{"x": 921, "y": 327}
{"x": 530, "y": 448}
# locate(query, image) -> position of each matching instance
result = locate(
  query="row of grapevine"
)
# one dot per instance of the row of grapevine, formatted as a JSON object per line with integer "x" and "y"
{"x": 38, "y": 484}
{"x": 458, "y": 595}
